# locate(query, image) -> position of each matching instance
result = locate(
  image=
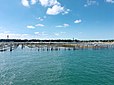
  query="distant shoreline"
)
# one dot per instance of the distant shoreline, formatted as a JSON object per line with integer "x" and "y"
{"x": 11, "y": 44}
{"x": 52, "y": 40}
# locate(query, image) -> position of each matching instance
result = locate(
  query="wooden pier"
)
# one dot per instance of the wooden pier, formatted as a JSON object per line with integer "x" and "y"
{"x": 54, "y": 46}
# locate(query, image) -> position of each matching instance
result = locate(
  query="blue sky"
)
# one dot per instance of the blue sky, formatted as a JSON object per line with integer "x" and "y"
{"x": 57, "y": 19}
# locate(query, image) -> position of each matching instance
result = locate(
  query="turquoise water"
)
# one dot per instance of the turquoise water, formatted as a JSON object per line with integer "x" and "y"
{"x": 79, "y": 67}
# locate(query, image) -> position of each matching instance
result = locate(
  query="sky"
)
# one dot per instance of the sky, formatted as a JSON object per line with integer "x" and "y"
{"x": 57, "y": 19}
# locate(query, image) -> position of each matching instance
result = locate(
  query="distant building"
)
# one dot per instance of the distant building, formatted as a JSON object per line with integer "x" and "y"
{"x": 7, "y": 36}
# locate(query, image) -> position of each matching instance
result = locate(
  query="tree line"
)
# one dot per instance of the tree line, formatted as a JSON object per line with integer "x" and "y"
{"x": 54, "y": 40}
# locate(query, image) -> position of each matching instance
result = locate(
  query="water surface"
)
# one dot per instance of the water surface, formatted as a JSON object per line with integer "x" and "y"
{"x": 79, "y": 67}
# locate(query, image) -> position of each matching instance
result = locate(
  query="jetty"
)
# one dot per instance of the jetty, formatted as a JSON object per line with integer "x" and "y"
{"x": 54, "y": 45}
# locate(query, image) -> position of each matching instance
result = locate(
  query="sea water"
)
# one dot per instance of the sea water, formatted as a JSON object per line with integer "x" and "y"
{"x": 63, "y": 67}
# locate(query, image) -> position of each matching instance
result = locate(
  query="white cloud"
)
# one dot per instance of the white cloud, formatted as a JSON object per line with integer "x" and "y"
{"x": 62, "y": 32}
{"x": 40, "y": 33}
{"x": 39, "y": 25}
{"x": 78, "y": 21}
{"x": 59, "y": 34}
{"x": 39, "y": 18}
{"x": 33, "y": 2}
{"x": 36, "y": 33}
{"x": 91, "y": 2}
{"x": 53, "y": 2}
{"x": 66, "y": 11}
{"x": 48, "y": 2}
{"x": 15, "y": 36}
{"x": 25, "y": 3}
{"x": 56, "y": 9}
{"x": 59, "y": 26}
{"x": 44, "y": 2}
{"x": 64, "y": 25}
{"x": 30, "y": 27}
{"x": 110, "y": 1}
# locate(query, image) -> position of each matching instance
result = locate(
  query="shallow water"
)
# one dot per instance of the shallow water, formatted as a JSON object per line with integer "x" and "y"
{"x": 79, "y": 67}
